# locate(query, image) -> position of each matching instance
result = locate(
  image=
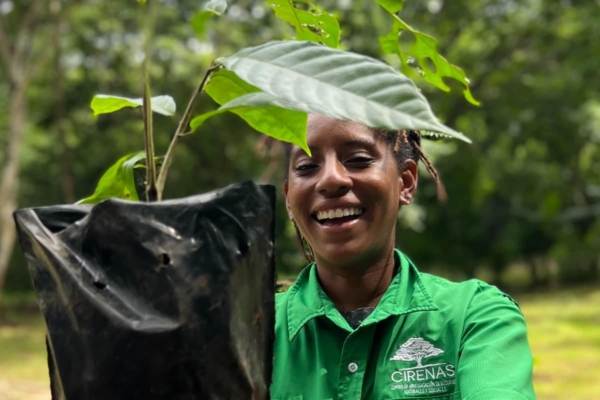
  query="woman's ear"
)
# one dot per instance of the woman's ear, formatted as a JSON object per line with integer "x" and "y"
{"x": 407, "y": 182}
{"x": 287, "y": 203}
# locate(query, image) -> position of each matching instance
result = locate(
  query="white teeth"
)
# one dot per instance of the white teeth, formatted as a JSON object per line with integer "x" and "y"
{"x": 338, "y": 213}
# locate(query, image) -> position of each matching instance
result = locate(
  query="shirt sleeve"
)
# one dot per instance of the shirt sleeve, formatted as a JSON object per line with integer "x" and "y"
{"x": 495, "y": 360}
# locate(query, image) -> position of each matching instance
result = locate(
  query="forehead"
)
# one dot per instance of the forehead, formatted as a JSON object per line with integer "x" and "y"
{"x": 324, "y": 132}
{"x": 321, "y": 127}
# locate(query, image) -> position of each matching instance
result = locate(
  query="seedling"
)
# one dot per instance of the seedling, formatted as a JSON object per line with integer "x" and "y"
{"x": 275, "y": 85}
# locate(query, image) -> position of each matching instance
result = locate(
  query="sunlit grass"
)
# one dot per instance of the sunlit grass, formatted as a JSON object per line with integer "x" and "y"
{"x": 564, "y": 333}
{"x": 23, "y": 367}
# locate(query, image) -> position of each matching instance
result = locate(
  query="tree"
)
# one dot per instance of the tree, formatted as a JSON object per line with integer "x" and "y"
{"x": 23, "y": 56}
{"x": 416, "y": 349}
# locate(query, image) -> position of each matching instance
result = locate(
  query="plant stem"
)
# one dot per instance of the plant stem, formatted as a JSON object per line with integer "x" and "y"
{"x": 181, "y": 131}
{"x": 151, "y": 190}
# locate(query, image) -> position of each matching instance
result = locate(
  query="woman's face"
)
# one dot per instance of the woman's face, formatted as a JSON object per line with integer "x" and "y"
{"x": 345, "y": 198}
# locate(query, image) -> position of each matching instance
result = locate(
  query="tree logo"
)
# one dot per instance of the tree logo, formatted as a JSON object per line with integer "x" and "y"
{"x": 415, "y": 349}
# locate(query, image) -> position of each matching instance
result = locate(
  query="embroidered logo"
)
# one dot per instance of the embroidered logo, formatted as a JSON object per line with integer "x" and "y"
{"x": 416, "y": 349}
{"x": 422, "y": 379}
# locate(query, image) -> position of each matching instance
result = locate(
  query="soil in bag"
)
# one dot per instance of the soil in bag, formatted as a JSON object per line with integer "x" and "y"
{"x": 171, "y": 300}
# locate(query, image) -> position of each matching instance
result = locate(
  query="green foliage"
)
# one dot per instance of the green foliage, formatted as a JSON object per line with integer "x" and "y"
{"x": 217, "y": 7}
{"x": 213, "y": 7}
{"x": 534, "y": 69}
{"x": 391, "y": 6}
{"x": 285, "y": 125}
{"x": 118, "y": 181}
{"x": 104, "y": 104}
{"x": 199, "y": 22}
{"x": 308, "y": 77}
{"x": 315, "y": 25}
{"x": 330, "y": 82}
{"x": 422, "y": 52}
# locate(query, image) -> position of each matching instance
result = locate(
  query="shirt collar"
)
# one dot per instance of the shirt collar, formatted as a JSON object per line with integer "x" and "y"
{"x": 307, "y": 300}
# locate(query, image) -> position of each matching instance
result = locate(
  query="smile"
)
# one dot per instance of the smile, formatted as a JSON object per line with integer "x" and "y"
{"x": 338, "y": 214}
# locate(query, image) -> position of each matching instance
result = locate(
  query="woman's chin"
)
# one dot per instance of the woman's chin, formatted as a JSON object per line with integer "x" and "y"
{"x": 339, "y": 254}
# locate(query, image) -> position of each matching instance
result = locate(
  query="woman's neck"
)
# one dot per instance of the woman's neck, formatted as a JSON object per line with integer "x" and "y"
{"x": 350, "y": 289}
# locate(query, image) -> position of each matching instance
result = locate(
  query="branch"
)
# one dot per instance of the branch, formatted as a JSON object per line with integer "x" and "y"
{"x": 181, "y": 131}
{"x": 23, "y": 35}
{"x": 151, "y": 191}
{"x": 5, "y": 48}
{"x": 34, "y": 63}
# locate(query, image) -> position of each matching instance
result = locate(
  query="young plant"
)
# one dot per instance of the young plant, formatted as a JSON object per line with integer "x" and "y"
{"x": 275, "y": 85}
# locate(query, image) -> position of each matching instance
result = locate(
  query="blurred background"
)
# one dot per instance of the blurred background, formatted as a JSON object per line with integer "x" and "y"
{"x": 524, "y": 199}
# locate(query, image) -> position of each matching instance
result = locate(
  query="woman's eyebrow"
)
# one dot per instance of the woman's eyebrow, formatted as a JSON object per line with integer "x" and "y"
{"x": 366, "y": 143}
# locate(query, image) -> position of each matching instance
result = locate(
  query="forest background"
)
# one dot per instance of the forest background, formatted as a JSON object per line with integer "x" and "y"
{"x": 524, "y": 199}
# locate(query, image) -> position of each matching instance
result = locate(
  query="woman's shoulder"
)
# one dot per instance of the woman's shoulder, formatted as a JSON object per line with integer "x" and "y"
{"x": 472, "y": 293}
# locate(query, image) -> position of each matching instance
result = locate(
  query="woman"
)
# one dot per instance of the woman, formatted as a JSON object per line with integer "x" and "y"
{"x": 361, "y": 322}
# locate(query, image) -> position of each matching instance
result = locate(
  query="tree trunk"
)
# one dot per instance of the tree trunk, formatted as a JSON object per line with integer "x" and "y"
{"x": 535, "y": 276}
{"x": 9, "y": 181}
{"x": 66, "y": 156}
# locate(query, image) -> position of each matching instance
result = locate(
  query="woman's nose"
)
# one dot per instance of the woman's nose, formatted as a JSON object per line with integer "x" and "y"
{"x": 333, "y": 178}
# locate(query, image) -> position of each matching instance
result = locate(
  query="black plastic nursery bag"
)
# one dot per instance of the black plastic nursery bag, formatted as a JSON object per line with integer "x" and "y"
{"x": 171, "y": 300}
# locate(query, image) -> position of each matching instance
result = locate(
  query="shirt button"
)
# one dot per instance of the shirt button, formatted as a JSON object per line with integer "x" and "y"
{"x": 353, "y": 367}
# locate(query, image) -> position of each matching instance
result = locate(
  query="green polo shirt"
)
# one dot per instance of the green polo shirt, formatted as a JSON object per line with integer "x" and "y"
{"x": 428, "y": 338}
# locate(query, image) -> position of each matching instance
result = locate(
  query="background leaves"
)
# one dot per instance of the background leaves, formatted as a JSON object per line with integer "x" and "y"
{"x": 200, "y": 18}
{"x": 422, "y": 54}
{"x": 315, "y": 25}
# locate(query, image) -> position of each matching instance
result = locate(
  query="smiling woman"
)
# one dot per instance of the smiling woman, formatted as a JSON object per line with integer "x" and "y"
{"x": 361, "y": 322}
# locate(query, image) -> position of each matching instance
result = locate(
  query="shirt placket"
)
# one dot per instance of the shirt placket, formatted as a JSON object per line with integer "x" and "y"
{"x": 353, "y": 363}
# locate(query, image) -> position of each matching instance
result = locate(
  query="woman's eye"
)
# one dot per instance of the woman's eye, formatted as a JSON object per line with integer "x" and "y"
{"x": 305, "y": 167}
{"x": 360, "y": 160}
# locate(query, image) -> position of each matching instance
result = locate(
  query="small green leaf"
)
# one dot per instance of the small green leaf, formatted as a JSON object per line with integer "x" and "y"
{"x": 216, "y": 6}
{"x": 104, "y": 104}
{"x": 391, "y": 6}
{"x": 285, "y": 125}
{"x": 199, "y": 22}
{"x": 118, "y": 181}
{"x": 312, "y": 78}
{"x": 424, "y": 47}
{"x": 317, "y": 26}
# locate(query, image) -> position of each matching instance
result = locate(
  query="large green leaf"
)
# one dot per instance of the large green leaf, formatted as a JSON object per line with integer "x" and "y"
{"x": 317, "y": 79}
{"x": 423, "y": 49}
{"x": 316, "y": 26}
{"x": 104, "y": 104}
{"x": 118, "y": 181}
{"x": 279, "y": 123}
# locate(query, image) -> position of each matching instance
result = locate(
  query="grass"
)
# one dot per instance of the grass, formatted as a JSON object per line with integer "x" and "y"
{"x": 564, "y": 333}
{"x": 23, "y": 368}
